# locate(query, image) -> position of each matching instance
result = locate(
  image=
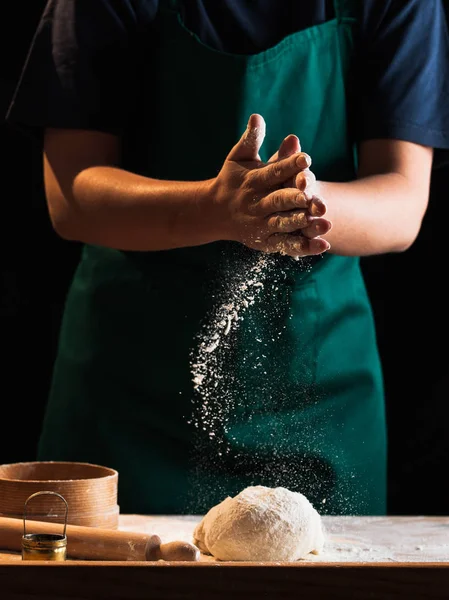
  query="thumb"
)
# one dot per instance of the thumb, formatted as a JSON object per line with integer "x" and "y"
{"x": 247, "y": 148}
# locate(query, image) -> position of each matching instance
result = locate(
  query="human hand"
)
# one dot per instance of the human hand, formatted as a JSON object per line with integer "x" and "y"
{"x": 305, "y": 182}
{"x": 253, "y": 205}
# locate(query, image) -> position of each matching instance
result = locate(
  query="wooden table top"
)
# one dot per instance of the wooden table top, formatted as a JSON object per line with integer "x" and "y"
{"x": 364, "y": 557}
{"x": 349, "y": 539}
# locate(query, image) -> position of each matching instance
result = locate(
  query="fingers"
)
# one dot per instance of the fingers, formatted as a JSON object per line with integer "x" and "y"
{"x": 317, "y": 206}
{"x": 316, "y": 227}
{"x": 279, "y": 201}
{"x": 290, "y": 145}
{"x": 288, "y": 221}
{"x": 286, "y": 199}
{"x": 275, "y": 174}
{"x": 305, "y": 181}
{"x": 295, "y": 246}
{"x": 247, "y": 148}
{"x": 298, "y": 220}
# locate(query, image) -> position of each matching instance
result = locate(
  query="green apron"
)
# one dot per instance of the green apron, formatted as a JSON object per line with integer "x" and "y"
{"x": 306, "y": 393}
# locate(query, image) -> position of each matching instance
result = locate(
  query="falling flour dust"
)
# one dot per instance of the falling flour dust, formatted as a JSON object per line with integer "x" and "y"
{"x": 255, "y": 290}
{"x": 210, "y": 378}
{"x": 220, "y": 378}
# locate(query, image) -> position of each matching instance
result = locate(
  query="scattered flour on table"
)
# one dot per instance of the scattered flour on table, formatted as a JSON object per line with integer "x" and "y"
{"x": 347, "y": 539}
{"x": 261, "y": 524}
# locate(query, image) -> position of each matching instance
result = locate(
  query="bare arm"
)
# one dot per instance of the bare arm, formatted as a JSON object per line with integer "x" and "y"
{"x": 92, "y": 200}
{"x": 382, "y": 210}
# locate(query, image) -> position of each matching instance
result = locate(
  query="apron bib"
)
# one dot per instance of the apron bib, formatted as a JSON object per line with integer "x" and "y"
{"x": 295, "y": 396}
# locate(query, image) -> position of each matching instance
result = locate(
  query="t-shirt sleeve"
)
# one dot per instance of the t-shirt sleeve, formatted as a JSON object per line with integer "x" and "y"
{"x": 402, "y": 73}
{"x": 81, "y": 69}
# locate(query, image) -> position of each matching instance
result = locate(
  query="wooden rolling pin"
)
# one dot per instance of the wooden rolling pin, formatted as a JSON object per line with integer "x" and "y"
{"x": 91, "y": 543}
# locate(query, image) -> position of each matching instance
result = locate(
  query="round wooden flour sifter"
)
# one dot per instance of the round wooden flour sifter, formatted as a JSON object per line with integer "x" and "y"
{"x": 89, "y": 490}
{"x": 90, "y": 516}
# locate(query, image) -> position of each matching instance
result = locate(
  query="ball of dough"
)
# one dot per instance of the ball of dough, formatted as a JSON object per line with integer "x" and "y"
{"x": 261, "y": 524}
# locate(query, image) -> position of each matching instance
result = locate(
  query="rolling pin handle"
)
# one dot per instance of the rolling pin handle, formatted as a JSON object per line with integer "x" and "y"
{"x": 152, "y": 547}
{"x": 172, "y": 551}
{"x": 179, "y": 551}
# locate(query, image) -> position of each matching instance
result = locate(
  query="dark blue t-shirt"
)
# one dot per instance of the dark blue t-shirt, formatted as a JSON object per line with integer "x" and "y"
{"x": 82, "y": 65}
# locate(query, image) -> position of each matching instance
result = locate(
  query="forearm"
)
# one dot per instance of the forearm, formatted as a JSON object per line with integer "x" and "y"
{"x": 91, "y": 199}
{"x": 115, "y": 208}
{"x": 372, "y": 215}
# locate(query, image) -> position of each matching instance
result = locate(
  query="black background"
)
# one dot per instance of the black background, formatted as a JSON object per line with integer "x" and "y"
{"x": 408, "y": 292}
